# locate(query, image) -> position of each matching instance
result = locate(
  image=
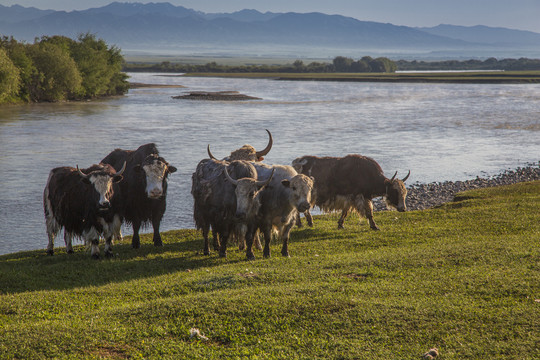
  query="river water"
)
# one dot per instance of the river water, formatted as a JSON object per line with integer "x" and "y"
{"x": 438, "y": 131}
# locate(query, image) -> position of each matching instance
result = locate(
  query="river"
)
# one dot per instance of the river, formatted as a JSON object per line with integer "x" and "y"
{"x": 438, "y": 131}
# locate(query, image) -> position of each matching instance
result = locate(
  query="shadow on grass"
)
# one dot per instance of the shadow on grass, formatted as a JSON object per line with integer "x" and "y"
{"x": 37, "y": 271}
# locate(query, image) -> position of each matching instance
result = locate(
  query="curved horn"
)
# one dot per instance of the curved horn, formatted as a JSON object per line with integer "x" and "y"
{"x": 209, "y": 153}
{"x": 81, "y": 173}
{"x": 393, "y": 177}
{"x": 121, "y": 170}
{"x": 268, "y": 147}
{"x": 406, "y": 177}
{"x": 234, "y": 182}
{"x": 267, "y": 181}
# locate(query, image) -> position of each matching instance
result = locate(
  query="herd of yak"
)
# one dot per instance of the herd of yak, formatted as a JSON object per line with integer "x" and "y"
{"x": 237, "y": 197}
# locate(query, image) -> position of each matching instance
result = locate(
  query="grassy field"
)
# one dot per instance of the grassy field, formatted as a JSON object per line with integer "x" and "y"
{"x": 516, "y": 77}
{"x": 464, "y": 278}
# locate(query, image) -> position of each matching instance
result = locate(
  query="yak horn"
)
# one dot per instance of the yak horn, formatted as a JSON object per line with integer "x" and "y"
{"x": 81, "y": 173}
{"x": 209, "y": 153}
{"x": 267, "y": 181}
{"x": 234, "y": 182}
{"x": 406, "y": 177}
{"x": 266, "y": 150}
{"x": 393, "y": 177}
{"x": 122, "y": 169}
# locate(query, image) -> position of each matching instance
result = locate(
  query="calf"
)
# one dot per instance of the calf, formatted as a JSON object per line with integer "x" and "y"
{"x": 286, "y": 194}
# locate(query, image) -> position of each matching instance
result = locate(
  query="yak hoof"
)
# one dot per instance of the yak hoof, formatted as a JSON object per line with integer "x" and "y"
{"x": 70, "y": 251}
{"x": 285, "y": 254}
{"x": 206, "y": 252}
{"x": 375, "y": 228}
{"x": 109, "y": 254}
{"x": 136, "y": 245}
{"x": 95, "y": 256}
{"x": 340, "y": 226}
{"x": 158, "y": 242}
{"x": 50, "y": 252}
{"x": 222, "y": 254}
{"x": 250, "y": 257}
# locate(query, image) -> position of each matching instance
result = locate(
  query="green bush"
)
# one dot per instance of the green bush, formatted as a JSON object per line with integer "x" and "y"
{"x": 59, "y": 68}
{"x": 9, "y": 78}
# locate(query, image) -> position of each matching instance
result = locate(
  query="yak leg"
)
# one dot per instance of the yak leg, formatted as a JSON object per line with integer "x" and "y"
{"x": 52, "y": 229}
{"x": 224, "y": 236}
{"x": 267, "y": 231}
{"x": 309, "y": 218}
{"x": 341, "y": 220}
{"x": 67, "y": 239}
{"x": 215, "y": 237}
{"x": 285, "y": 237}
{"x": 250, "y": 233}
{"x": 368, "y": 210}
{"x": 205, "y": 231}
{"x": 136, "y": 240}
{"x": 298, "y": 221}
{"x": 156, "y": 222}
{"x": 91, "y": 237}
{"x": 108, "y": 246}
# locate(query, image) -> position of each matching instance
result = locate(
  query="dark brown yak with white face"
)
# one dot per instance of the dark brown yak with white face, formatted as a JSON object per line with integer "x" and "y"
{"x": 350, "y": 183}
{"x": 143, "y": 189}
{"x": 81, "y": 202}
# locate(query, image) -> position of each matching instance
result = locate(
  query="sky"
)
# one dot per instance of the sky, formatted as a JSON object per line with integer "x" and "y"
{"x": 513, "y": 14}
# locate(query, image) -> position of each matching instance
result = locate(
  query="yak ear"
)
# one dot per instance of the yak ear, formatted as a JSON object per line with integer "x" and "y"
{"x": 86, "y": 181}
{"x": 171, "y": 169}
{"x": 138, "y": 168}
{"x": 286, "y": 183}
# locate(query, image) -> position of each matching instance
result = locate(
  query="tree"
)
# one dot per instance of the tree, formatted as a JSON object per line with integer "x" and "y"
{"x": 342, "y": 64}
{"x": 57, "y": 77}
{"x": 9, "y": 78}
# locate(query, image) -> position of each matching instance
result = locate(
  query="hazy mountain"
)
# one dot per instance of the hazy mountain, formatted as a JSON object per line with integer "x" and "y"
{"x": 162, "y": 26}
{"x": 17, "y": 13}
{"x": 486, "y": 35}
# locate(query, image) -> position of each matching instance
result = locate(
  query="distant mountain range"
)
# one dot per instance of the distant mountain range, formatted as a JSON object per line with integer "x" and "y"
{"x": 164, "y": 27}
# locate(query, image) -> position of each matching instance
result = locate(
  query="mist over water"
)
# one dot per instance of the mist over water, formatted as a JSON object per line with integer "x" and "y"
{"x": 438, "y": 131}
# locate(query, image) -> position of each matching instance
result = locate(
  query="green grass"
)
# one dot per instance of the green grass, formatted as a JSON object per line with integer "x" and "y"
{"x": 451, "y": 77}
{"x": 464, "y": 278}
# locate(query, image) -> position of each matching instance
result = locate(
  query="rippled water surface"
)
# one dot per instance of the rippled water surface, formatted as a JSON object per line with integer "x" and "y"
{"x": 438, "y": 131}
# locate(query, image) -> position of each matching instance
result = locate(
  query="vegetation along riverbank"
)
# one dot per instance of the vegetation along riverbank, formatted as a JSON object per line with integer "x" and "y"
{"x": 462, "y": 277}
{"x": 58, "y": 68}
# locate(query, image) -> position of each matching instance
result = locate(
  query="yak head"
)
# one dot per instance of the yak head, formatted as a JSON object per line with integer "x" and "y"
{"x": 156, "y": 170}
{"x": 300, "y": 187}
{"x": 102, "y": 177}
{"x": 396, "y": 192}
{"x": 246, "y": 191}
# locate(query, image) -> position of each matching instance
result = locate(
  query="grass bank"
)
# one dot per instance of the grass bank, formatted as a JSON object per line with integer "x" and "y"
{"x": 464, "y": 278}
{"x": 496, "y": 77}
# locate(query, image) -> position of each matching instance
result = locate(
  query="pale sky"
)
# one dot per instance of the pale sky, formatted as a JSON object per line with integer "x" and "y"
{"x": 513, "y": 14}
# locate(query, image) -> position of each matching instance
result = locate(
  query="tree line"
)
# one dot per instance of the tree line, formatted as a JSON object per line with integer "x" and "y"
{"x": 472, "y": 64}
{"x": 366, "y": 64}
{"x": 339, "y": 64}
{"x": 59, "y": 68}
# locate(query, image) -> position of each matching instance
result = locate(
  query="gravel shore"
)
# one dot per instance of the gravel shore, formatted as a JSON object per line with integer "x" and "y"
{"x": 425, "y": 196}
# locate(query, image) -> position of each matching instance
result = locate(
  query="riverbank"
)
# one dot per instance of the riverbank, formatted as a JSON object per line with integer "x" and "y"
{"x": 481, "y": 77}
{"x": 425, "y": 196}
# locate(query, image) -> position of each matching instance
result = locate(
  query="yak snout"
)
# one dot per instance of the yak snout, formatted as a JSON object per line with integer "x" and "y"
{"x": 155, "y": 193}
{"x": 303, "y": 206}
